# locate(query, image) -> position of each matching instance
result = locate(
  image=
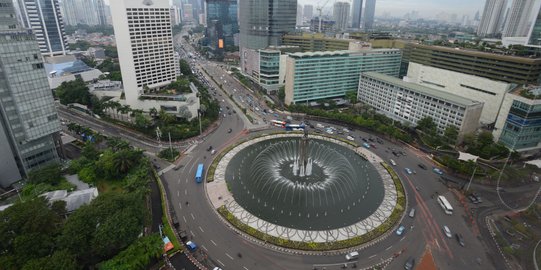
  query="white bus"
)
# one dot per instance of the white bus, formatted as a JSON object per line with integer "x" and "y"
{"x": 447, "y": 208}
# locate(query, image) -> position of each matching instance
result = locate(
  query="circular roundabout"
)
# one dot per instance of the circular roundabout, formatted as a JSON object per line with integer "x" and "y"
{"x": 315, "y": 193}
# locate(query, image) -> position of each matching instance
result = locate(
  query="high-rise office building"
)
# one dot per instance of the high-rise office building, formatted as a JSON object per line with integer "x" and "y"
{"x": 147, "y": 60}
{"x": 89, "y": 12}
{"x": 308, "y": 12}
{"x": 264, "y": 22}
{"x": 175, "y": 15}
{"x": 492, "y": 18}
{"x": 222, "y": 23}
{"x": 519, "y": 19}
{"x": 341, "y": 14}
{"x": 299, "y": 15}
{"x": 368, "y": 16}
{"x": 357, "y": 11}
{"x": 505, "y": 68}
{"x": 46, "y": 21}
{"x": 518, "y": 121}
{"x": 28, "y": 120}
{"x": 187, "y": 12}
{"x": 534, "y": 33}
{"x": 313, "y": 76}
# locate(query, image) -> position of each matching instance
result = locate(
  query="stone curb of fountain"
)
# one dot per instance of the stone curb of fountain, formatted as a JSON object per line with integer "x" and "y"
{"x": 305, "y": 252}
{"x": 376, "y": 217}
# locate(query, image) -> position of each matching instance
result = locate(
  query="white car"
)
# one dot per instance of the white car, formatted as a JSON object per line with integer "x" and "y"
{"x": 350, "y": 138}
{"x": 447, "y": 231}
{"x": 345, "y": 130}
{"x": 352, "y": 255}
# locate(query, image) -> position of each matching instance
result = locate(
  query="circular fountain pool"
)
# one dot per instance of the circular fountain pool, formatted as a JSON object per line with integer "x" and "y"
{"x": 304, "y": 184}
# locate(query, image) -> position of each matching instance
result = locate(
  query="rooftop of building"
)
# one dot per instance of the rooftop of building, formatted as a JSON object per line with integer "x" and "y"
{"x": 422, "y": 89}
{"x": 64, "y": 64}
{"x": 476, "y": 53}
{"x": 528, "y": 91}
{"x": 340, "y": 52}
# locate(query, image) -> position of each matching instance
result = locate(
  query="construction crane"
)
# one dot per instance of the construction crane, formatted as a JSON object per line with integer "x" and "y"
{"x": 320, "y": 9}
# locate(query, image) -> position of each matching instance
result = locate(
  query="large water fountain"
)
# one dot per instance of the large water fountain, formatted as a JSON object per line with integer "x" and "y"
{"x": 304, "y": 184}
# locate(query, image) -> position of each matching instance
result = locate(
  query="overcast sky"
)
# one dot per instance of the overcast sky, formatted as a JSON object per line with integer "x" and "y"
{"x": 426, "y": 8}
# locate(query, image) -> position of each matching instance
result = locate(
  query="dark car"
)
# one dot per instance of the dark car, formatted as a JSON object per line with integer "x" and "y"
{"x": 229, "y": 130}
{"x": 209, "y": 148}
{"x": 365, "y": 140}
{"x": 422, "y": 166}
{"x": 460, "y": 239}
{"x": 410, "y": 262}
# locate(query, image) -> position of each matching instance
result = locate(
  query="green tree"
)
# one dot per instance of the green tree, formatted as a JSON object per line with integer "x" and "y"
{"x": 73, "y": 92}
{"x": 427, "y": 125}
{"x": 27, "y": 231}
{"x": 117, "y": 144}
{"x": 50, "y": 174}
{"x": 106, "y": 226}
{"x": 185, "y": 68}
{"x": 166, "y": 118}
{"x": 137, "y": 256}
{"x": 153, "y": 112}
{"x": 451, "y": 134}
{"x": 141, "y": 121}
{"x": 351, "y": 96}
{"x": 62, "y": 259}
{"x": 282, "y": 93}
{"x": 90, "y": 152}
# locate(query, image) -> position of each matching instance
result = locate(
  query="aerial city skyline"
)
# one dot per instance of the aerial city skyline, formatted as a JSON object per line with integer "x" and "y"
{"x": 270, "y": 134}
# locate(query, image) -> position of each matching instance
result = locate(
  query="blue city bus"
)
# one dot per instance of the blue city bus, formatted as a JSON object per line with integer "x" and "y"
{"x": 199, "y": 173}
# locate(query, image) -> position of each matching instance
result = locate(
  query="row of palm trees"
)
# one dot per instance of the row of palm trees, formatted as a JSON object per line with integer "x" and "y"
{"x": 124, "y": 112}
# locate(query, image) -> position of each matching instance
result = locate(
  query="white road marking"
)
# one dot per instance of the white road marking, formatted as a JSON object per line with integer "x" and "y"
{"x": 178, "y": 182}
{"x": 201, "y": 229}
{"x": 186, "y": 180}
{"x": 191, "y": 168}
{"x": 389, "y": 248}
{"x": 185, "y": 192}
{"x": 245, "y": 268}
{"x": 180, "y": 205}
{"x": 193, "y": 234}
{"x": 402, "y": 238}
{"x": 178, "y": 193}
{"x": 214, "y": 243}
{"x": 192, "y": 216}
{"x": 220, "y": 262}
{"x": 372, "y": 256}
{"x": 205, "y": 248}
{"x": 183, "y": 217}
{"x": 228, "y": 256}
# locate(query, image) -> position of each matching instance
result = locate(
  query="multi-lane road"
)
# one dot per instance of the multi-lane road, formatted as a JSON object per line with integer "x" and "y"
{"x": 223, "y": 246}
{"x": 227, "y": 249}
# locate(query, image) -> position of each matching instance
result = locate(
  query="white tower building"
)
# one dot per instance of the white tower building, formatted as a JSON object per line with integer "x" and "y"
{"x": 341, "y": 15}
{"x": 144, "y": 37}
{"x": 493, "y": 16}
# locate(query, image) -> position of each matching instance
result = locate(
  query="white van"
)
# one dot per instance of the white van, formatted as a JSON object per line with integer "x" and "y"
{"x": 412, "y": 213}
{"x": 318, "y": 125}
{"x": 352, "y": 255}
{"x": 392, "y": 162}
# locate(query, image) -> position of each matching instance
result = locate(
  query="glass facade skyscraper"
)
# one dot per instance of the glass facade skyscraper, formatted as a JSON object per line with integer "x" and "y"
{"x": 28, "y": 120}
{"x": 46, "y": 21}
{"x": 519, "y": 122}
{"x": 222, "y": 23}
{"x": 263, "y": 22}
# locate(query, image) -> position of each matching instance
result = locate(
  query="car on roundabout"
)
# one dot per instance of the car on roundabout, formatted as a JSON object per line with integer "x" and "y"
{"x": 401, "y": 229}
{"x": 408, "y": 170}
{"x": 447, "y": 231}
{"x": 350, "y": 138}
{"x": 437, "y": 170}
